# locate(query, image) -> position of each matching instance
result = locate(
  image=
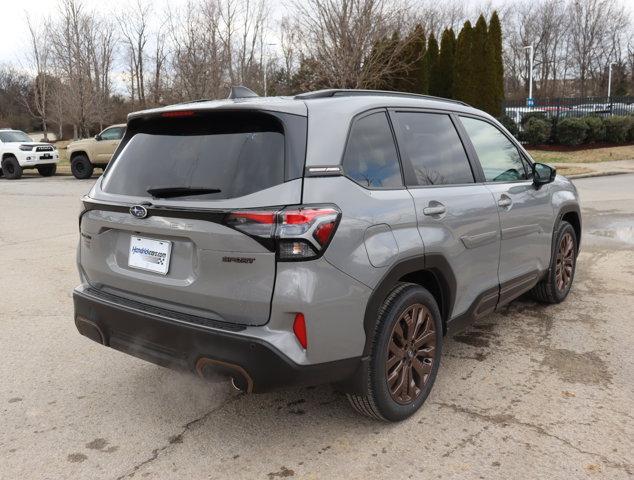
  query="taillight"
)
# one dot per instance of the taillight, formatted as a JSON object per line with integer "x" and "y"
{"x": 298, "y": 233}
{"x": 258, "y": 223}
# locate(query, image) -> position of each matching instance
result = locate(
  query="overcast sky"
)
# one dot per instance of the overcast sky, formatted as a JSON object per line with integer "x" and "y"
{"x": 14, "y": 36}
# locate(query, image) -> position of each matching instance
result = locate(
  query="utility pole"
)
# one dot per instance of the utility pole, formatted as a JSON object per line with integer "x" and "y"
{"x": 529, "y": 101}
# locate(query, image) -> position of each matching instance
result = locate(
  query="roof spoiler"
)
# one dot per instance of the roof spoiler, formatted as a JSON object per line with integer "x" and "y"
{"x": 241, "y": 92}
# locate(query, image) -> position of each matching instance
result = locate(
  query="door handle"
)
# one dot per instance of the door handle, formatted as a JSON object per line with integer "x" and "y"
{"x": 435, "y": 210}
{"x": 505, "y": 201}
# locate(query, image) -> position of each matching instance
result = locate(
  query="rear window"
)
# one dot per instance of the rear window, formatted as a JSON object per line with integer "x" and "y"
{"x": 371, "y": 159}
{"x": 232, "y": 153}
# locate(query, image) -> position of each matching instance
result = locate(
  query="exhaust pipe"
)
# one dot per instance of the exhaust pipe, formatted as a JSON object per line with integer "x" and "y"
{"x": 240, "y": 379}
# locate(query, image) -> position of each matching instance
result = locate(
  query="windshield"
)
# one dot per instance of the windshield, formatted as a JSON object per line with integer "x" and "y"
{"x": 14, "y": 136}
{"x": 207, "y": 159}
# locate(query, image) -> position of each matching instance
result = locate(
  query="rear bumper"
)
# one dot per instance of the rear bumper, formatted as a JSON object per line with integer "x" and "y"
{"x": 156, "y": 336}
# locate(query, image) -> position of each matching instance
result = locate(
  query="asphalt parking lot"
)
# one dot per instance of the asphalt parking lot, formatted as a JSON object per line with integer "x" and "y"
{"x": 530, "y": 392}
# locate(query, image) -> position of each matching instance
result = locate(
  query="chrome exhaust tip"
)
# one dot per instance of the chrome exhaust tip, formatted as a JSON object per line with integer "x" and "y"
{"x": 240, "y": 379}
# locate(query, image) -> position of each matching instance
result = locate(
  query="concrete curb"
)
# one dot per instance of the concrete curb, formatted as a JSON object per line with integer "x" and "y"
{"x": 596, "y": 174}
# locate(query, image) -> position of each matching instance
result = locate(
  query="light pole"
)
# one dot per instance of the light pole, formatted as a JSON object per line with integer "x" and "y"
{"x": 609, "y": 80}
{"x": 530, "y": 75}
{"x": 266, "y": 64}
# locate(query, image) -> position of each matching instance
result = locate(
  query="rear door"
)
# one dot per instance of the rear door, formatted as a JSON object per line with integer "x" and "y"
{"x": 526, "y": 214}
{"x": 457, "y": 217}
{"x": 231, "y": 162}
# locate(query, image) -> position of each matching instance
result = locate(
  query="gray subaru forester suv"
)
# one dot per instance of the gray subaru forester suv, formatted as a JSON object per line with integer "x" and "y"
{"x": 332, "y": 237}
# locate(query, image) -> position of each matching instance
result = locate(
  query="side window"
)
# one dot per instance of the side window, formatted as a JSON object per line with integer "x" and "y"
{"x": 371, "y": 159}
{"x": 500, "y": 159}
{"x": 434, "y": 149}
{"x": 112, "y": 133}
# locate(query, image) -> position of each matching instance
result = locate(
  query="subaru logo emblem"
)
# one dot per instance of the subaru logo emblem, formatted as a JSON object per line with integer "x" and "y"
{"x": 138, "y": 211}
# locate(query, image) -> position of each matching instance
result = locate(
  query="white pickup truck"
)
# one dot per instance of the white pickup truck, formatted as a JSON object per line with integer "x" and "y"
{"x": 18, "y": 152}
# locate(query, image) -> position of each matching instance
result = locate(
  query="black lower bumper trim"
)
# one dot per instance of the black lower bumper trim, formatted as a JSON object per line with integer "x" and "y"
{"x": 249, "y": 361}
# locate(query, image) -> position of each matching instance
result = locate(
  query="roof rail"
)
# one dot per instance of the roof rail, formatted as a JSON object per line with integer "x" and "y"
{"x": 348, "y": 92}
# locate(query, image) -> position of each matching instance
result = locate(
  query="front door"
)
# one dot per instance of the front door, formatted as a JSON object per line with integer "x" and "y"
{"x": 108, "y": 143}
{"x": 525, "y": 211}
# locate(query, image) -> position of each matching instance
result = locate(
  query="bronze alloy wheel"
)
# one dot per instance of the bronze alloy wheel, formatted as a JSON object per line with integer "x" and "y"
{"x": 410, "y": 355}
{"x": 565, "y": 262}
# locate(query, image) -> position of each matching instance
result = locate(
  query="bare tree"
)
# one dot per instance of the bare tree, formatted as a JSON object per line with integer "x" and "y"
{"x": 591, "y": 22}
{"x": 37, "y": 101}
{"x": 133, "y": 25}
{"x": 83, "y": 48}
{"x": 158, "y": 86}
{"x": 198, "y": 60}
{"x": 435, "y": 16}
{"x": 340, "y": 36}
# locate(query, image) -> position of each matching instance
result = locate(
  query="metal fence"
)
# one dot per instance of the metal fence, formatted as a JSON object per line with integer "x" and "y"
{"x": 570, "y": 107}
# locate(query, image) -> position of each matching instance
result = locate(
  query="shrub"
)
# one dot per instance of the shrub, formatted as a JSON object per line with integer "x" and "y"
{"x": 616, "y": 129}
{"x": 572, "y": 131}
{"x": 529, "y": 115}
{"x": 536, "y": 131}
{"x": 509, "y": 124}
{"x": 596, "y": 129}
{"x": 630, "y": 135}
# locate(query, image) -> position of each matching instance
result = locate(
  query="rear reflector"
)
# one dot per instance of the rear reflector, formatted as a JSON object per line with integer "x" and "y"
{"x": 299, "y": 328}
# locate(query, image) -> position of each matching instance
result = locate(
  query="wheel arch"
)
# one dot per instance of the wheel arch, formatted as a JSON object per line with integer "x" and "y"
{"x": 76, "y": 153}
{"x": 570, "y": 213}
{"x": 432, "y": 272}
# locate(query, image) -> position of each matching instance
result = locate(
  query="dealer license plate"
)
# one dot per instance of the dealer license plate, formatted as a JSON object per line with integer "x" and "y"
{"x": 149, "y": 254}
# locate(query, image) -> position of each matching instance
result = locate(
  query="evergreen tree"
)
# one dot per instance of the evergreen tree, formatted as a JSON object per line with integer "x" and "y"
{"x": 483, "y": 69}
{"x": 430, "y": 61}
{"x": 495, "y": 40}
{"x": 446, "y": 64}
{"x": 412, "y": 60}
{"x": 463, "y": 83}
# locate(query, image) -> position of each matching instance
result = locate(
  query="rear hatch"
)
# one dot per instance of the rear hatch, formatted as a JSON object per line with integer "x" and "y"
{"x": 164, "y": 225}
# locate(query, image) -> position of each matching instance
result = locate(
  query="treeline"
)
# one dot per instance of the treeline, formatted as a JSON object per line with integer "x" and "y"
{"x": 85, "y": 69}
{"x": 467, "y": 68}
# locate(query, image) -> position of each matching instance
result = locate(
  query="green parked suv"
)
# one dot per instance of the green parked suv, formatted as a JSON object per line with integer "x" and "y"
{"x": 335, "y": 236}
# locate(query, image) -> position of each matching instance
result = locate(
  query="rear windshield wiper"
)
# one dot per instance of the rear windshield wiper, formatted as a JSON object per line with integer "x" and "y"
{"x": 171, "y": 192}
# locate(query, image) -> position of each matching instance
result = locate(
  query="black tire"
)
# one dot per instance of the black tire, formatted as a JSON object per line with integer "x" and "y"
{"x": 81, "y": 167}
{"x": 47, "y": 170}
{"x": 550, "y": 288}
{"x": 11, "y": 169}
{"x": 379, "y": 400}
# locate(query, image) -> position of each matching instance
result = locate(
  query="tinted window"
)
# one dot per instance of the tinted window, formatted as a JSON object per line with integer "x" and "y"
{"x": 500, "y": 159}
{"x": 236, "y": 156}
{"x": 371, "y": 158}
{"x": 433, "y": 146}
{"x": 114, "y": 133}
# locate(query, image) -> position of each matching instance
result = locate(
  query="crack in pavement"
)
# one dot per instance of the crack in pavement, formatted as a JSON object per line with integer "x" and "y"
{"x": 157, "y": 451}
{"x": 501, "y": 419}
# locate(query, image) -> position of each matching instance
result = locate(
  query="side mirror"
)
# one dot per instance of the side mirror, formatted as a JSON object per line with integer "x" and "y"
{"x": 543, "y": 174}
{"x": 98, "y": 137}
